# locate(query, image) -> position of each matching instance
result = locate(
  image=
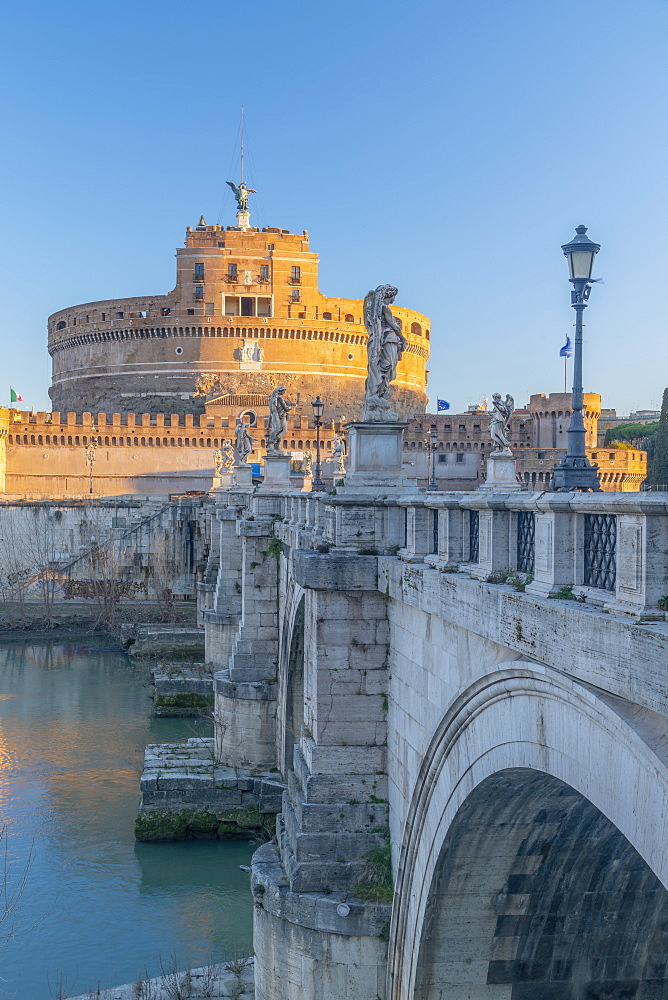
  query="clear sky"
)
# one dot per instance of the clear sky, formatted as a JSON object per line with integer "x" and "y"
{"x": 447, "y": 147}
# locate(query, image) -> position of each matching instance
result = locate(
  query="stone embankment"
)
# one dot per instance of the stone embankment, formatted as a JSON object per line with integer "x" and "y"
{"x": 169, "y": 642}
{"x": 180, "y": 690}
{"x": 188, "y": 795}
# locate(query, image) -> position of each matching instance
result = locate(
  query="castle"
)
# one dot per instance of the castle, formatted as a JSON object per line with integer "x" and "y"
{"x": 245, "y": 316}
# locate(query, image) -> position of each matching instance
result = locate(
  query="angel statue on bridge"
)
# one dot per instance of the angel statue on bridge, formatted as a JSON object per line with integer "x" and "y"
{"x": 241, "y": 193}
{"x": 499, "y": 425}
{"x": 385, "y": 345}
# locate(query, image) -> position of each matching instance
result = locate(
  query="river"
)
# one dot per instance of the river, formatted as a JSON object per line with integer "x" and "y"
{"x": 98, "y": 908}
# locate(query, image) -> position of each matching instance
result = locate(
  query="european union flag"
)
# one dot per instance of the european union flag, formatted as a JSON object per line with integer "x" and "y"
{"x": 442, "y": 405}
{"x": 566, "y": 350}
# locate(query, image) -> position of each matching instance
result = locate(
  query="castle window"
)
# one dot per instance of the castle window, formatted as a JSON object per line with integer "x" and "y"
{"x": 443, "y": 458}
{"x": 427, "y": 334}
{"x": 270, "y": 246}
{"x": 231, "y": 270}
{"x": 69, "y": 439}
{"x": 150, "y": 442}
{"x": 87, "y": 318}
{"x": 61, "y": 325}
{"x": 326, "y": 315}
{"x": 264, "y": 272}
{"x": 264, "y": 307}
{"x": 187, "y": 442}
{"x": 416, "y": 329}
{"x": 295, "y": 295}
{"x": 296, "y": 274}
{"x": 231, "y": 305}
{"x": 76, "y": 440}
{"x": 191, "y": 312}
{"x": 215, "y": 442}
{"x": 459, "y": 457}
{"x": 113, "y": 442}
{"x": 209, "y": 309}
{"x": 39, "y": 441}
{"x": 199, "y": 272}
{"x": 462, "y": 427}
{"x": 247, "y": 306}
{"x": 119, "y": 315}
{"x": 222, "y": 244}
{"x": 199, "y": 291}
{"x": 104, "y": 316}
{"x": 143, "y": 442}
{"x": 136, "y": 442}
{"x": 165, "y": 311}
{"x": 348, "y": 318}
{"x": 165, "y": 442}
{"x": 74, "y": 321}
{"x": 172, "y": 442}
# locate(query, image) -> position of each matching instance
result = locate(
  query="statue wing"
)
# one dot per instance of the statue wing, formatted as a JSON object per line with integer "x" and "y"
{"x": 235, "y": 189}
{"x": 510, "y": 404}
{"x": 251, "y": 191}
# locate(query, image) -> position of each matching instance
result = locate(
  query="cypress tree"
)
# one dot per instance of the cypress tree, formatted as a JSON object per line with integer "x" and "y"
{"x": 658, "y": 473}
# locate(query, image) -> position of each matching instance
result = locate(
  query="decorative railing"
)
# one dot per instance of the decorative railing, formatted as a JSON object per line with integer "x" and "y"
{"x": 600, "y": 550}
{"x": 526, "y": 541}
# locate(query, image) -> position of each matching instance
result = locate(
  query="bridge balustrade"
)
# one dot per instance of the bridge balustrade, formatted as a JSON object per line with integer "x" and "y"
{"x": 610, "y": 551}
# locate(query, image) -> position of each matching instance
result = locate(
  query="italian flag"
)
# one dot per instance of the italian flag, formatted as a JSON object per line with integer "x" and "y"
{"x": 14, "y": 396}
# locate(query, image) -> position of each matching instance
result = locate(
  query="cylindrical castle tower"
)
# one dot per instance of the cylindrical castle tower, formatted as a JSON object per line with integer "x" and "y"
{"x": 245, "y": 316}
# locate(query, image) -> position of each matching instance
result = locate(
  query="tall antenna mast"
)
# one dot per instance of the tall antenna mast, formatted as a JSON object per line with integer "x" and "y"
{"x": 241, "y": 165}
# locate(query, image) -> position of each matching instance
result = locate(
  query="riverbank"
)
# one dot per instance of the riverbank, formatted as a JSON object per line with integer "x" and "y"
{"x": 218, "y": 981}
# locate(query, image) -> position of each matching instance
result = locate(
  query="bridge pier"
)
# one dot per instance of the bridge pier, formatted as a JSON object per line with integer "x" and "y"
{"x": 309, "y": 921}
{"x": 246, "y": 693}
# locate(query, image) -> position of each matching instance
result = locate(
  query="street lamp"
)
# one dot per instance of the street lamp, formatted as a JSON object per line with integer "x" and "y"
{"x": 318, "y": 407}
{"x": 431, "y": 443}
{"x": 575, "y": 471}
{"x": 90, "y": 457}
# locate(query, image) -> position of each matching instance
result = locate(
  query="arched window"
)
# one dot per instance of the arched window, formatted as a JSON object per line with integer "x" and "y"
{"x": 329, "y": 445}
{"x": 416, "y": 329}
{"x": 300, "y": 444}
{"x": 349, "y": 318}
{"x": 215, "y": 442}
{"x": 76, "y": 440}
{"x": 180, "y": 442}
{"x": 61, "y": 325}
{"x": 62, "y": 439}
{"x": 69, "y": 439}
{"x": 136, "y": 442}
{"x": 106, "y": 440}
{"x": 208, "y": 442}
{"x": 113, "y": 442}
{"x": 172, "y": 442}
{"x": 150, "y": 442}
{"x": 292, "y": 444}
{"x": 39, "y": 439}
{"x": 427, "y": 334}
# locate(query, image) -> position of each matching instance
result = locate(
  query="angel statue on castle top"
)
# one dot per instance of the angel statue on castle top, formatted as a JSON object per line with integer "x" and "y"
{"x": 241, "y": 193}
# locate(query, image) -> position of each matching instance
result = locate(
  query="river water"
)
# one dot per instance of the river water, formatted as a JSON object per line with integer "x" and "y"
{"x": 98, "y": 908}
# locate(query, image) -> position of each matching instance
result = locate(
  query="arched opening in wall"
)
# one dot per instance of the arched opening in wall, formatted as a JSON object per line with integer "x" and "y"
{"x": 536, "y": 894}
{"x": 294, "y": 691}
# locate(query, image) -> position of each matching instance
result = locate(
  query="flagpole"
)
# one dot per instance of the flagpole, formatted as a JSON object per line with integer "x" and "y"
{"x": 565, "y": 363}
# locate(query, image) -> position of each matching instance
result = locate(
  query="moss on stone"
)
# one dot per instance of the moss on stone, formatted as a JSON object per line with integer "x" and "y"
{"x": 183, "y": 704}
{"x": 195, "y": 824}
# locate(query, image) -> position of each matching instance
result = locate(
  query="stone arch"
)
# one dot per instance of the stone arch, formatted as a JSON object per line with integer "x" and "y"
{"x": 553, "y": 739}
{"x": 290, "y": 707}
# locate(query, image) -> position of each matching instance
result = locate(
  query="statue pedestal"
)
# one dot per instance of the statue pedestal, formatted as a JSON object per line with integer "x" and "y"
{"x": 501, "y": 472}
{"x": 223, "y": 480}
{"x": 276, "y": 473}
{"x": 243, "y": 219}
{"x": 243, "y": 475}
{"x": 375, "y": 458}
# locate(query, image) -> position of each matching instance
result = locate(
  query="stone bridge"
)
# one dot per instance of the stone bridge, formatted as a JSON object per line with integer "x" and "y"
{"x": 475, "y": 684}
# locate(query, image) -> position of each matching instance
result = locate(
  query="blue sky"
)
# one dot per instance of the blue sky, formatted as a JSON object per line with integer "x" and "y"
{"x": 447, "y": 147}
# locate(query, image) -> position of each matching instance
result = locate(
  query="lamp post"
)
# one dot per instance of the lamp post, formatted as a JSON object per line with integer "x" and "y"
{"x": 431, "y": 443}
{"x": 318, "y": 407}
{"x": 90, "y": 456}
{"x": 575, "y": 471}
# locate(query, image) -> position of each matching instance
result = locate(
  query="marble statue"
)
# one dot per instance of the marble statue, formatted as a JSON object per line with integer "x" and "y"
{"x": 385, "y": 345}
{"x": 499, "y": 426}
{"x": 243, "y": 441}
{"x": 339, "y": 454}
{"x": 241, "y": 193}
{"x": 307, "y": 464}
{"x": 217, "y": 463}
{"x": 278, "y": 421}
{"x": 227, "y": 454}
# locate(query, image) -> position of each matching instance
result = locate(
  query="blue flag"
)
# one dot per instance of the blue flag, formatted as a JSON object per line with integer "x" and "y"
{"x": 566, "y": 350}
{"x": 442, "y": 405}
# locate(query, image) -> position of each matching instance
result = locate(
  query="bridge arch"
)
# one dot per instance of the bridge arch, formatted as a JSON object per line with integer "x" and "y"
{"x": 290, "y": 708}
{"x": 521, "y": 751}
